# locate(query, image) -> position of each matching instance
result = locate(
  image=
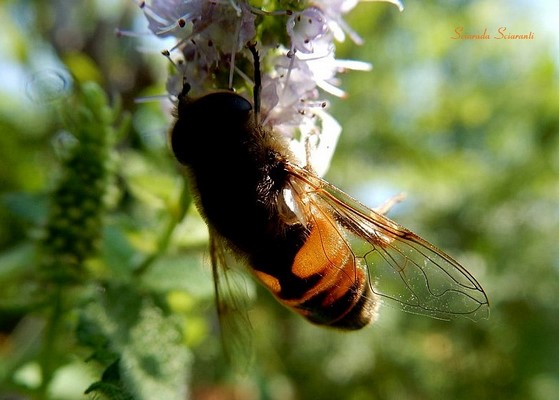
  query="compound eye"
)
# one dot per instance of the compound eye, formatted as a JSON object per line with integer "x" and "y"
{"x": 229, "y": 105}
{"x": 240, "y": 104}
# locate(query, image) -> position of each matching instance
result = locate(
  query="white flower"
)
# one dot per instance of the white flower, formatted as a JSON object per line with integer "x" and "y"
{"x": 170, "y": 17}
{"x": 309, "y": 31}
{"x": 335, "y": 9}
{"x": 224, "y": 23}
{"x": 210, "y": 34}
{"x": 318, "y": 138}
{"x": 291, "y": 106}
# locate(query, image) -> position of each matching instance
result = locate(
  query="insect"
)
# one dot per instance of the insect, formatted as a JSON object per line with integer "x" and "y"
{"x": 320, "y": 252}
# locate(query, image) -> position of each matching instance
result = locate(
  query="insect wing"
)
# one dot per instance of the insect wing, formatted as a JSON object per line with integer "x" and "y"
{"x": 231, "y": 297}
{"x": 402, "y": 267}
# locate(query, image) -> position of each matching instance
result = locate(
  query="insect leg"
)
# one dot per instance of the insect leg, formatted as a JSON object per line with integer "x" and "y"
{"x": 257, "y": 81}
{"x": 388, "y": 204}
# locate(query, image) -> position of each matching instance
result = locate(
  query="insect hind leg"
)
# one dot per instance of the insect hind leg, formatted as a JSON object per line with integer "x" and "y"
{"x": 385, "y": 207}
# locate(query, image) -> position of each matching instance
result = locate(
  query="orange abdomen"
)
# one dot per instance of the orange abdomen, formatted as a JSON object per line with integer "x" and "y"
{"x": 336, "y": 292}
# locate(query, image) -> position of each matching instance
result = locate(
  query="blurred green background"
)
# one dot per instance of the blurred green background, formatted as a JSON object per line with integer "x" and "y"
{"x": 468, "y": 129}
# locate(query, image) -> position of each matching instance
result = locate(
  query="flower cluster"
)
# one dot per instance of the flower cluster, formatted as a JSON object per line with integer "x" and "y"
{"x": 211, "y": 41}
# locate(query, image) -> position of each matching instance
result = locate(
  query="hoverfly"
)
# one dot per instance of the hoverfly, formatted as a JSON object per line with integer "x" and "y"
{"x": 320, "y": 252}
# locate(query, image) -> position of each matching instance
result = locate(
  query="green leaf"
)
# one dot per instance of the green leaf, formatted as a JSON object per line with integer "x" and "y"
{"x": 152, "y": 360}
